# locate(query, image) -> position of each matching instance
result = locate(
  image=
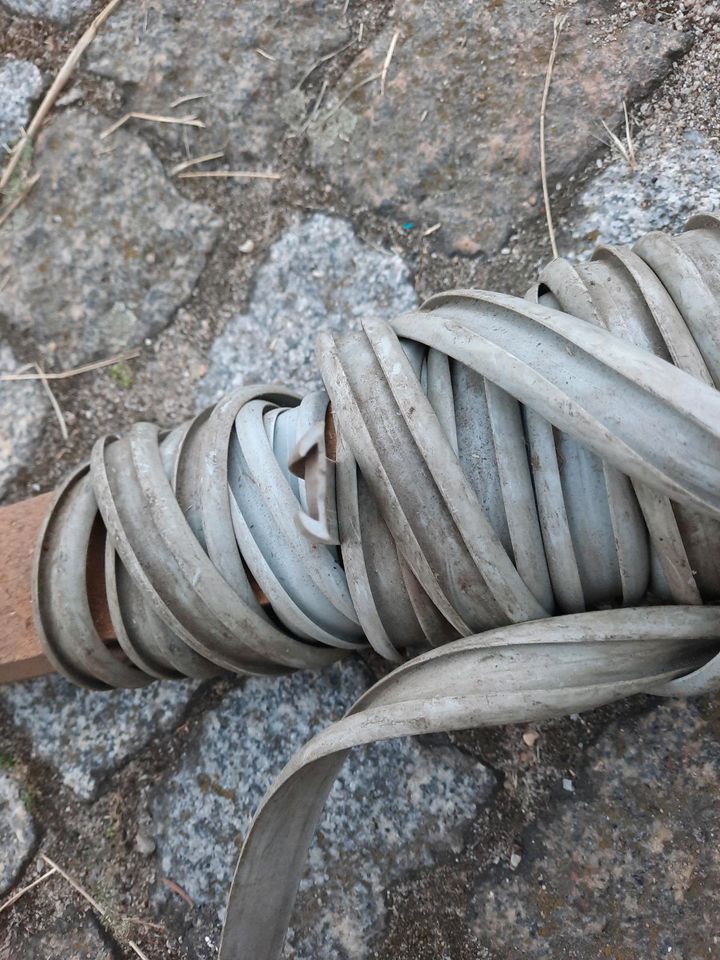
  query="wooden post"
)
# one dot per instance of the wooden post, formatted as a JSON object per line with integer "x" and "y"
{"x": 21, "y": 655}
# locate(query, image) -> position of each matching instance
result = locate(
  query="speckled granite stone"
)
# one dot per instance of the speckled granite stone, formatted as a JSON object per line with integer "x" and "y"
{"x": 454, "y": 139}
{"x": 20, "y": 83}
{"x": 104, "y": 249}
{"x": 61, "y": 11}
{"x": 85, "y": 735}
{"x": 318, "y": 275}
{"x": 17, "y": 830}
{"x": 249, "y": 99}
{"x": 629, "y": 867}
{"x": 23, "y": 407}
{"x": 396, "y": 806}
{"x": 671, "y": 182}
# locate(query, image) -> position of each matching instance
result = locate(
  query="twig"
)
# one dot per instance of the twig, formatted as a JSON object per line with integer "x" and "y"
{"x": 73, "y": 883}
{"x": 187, "y": 99}
{"x": 53, "y": 93}
{"x": 14, "y": 204}
{"x": 241, "y": 174}
{"x": 558, "y": 24}
{"x": 91, "y": 900}
{"x": 21, "y": 893}
{"x": 431, "y": 230}
{"x": 53, "y": 401}
{"x": 194, "y": 161}
{"x": 265, "y": 55}
{"x": 138, "y": 951}
{"x": 386, "y": 64}
{"x": 358, "y": 86}
{"x": 176, "y": 888}
{"x": 189, "y": 121}
{"x": 64, "y": 374}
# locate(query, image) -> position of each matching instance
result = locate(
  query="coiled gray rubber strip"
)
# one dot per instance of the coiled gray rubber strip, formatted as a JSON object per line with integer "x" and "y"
{"x": 498, "y": 460}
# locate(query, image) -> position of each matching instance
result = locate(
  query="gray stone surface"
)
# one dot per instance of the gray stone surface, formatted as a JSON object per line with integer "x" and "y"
{"x": 397, "y": 806}
{"x": 70, "y": 932}
{"x": 85, "y": 735}
{"x": 671, "y": 182}
{"x": 455, "y": 137}
{"x": 23, "y": 408}
{"x": 17, "y": 830}
{"x": 249, "y": 100}
{"x": 20, "y": 84}
{"x": 104, "y": 249}
{"x": 61, "y": 11}
{"x": 317, "y": 276}
{"x": 629, "y": 866}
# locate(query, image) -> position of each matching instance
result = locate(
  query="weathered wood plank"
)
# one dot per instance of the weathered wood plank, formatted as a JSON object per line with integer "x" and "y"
{"x": 21, "y": 655}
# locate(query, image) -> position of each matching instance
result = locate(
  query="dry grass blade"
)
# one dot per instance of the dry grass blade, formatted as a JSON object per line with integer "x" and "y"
{"x": 26, "y": 889}
{"x": 240, "y": 174}
{"x": 194, "y": 161}
{"x": 630, "y": 146}
{"x": 321, "y": 60}
{"x": 388, "y": 59}
{"x": 265, "y": 55}
{"x": 558, "y": 24}
{"x": 53, "y": 93}
{"x": 20, "y": 198}
{"x": 100, "y": 910}
{"x": 431, "y": 230}
{"x": 625, "y": 150}
{"x": 189, "y": 121}
{"x": 53, "y": 401}
{"x": 159, "y": 927}
{"x": 64, "y": 374}
{"x": 312, "y": 116}
{"x": 353, "y": 90}
{"x": 187, "y": 99}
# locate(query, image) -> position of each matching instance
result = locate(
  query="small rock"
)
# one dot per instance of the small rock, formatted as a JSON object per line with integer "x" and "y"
{"x": 144, "y": 843}
{"x": 568, "y": 785}
{"x": 20, "y": 83}
{"x": 247, "y": 247}
{"x": 515, "y": 861}
{"x": 318, "y": 275}
{"x": 86, "y": 735}
{"x": 17, "y": 831}
{"x": 466, "y": 246}
{"x": 531, "y": 737}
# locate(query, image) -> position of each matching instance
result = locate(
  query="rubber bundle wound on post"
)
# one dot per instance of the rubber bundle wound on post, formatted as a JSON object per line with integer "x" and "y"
{"x": 486, "y": 475}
